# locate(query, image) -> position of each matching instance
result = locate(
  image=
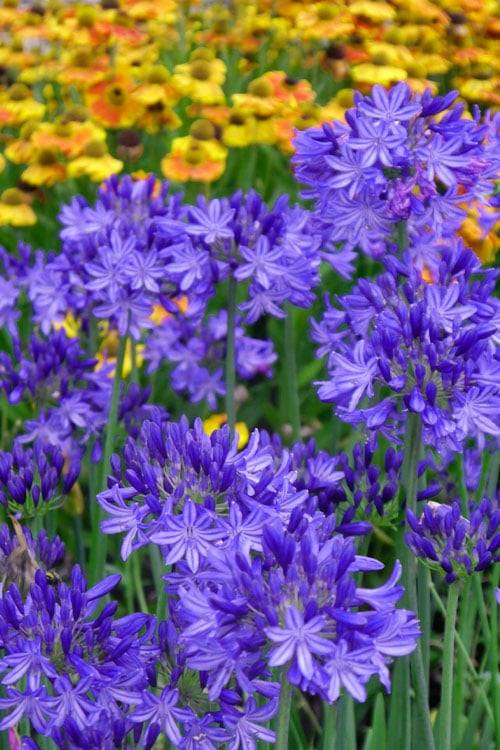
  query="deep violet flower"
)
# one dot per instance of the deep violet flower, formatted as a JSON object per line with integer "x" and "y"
{"x": 429, "y": 344}
{"x": 455, "y": 544}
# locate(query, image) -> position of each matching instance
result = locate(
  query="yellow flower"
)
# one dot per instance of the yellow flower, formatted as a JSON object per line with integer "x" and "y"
{"x": 239, "y": 131}
{"x": 201, "y": 79}
{"x": 95, "y": 162}
{"x": 70, "y": 138}
{"x": 20, "y": 104}
{"x": 368, "y": 74}
{"x": 216, "y": 421}
{"x": 15, "y": 210}
{"x": 46, "y": 168}
{"x": 377, "y": 12}
{"x": 70, "y": 325}
{"x": 21, "y": 150}
{"x": 108, "y": 352}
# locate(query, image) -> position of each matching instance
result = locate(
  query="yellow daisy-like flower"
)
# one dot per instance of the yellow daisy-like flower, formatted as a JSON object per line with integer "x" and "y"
{"x": 82, "y": 67}
{"x": 259, "y": 100}
{"x": 108, "y": 352}
{"x": 15, "y": 210}
{"x": 368, "y": 74}
{"x": 216, "y": 421}
{"x": 156, "y": 88}
{"x": 20, "y": 104}
{"x": 376, "y": 12}
{"x": 21, "y": 150}
{"x": 239, "y": 131}
{"x": 95, "y": 162}
{"x": 46, "y": 168}
{"x": 479, "y": 90}
{"x": 201, "y": 79}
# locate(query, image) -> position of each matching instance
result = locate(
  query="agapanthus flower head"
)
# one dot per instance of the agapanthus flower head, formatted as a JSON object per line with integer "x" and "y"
{"x": 455, "y": 544}
{"x": 108, "y": 266}
{"x": 32, "y": 477}
{"x": 294, "y": 605}
{"x": 69, "y": 668}
{"x": 430, "y": 344}
{"x": 198, "y": 349}
{"x": 272, "y": 251}
{"x": 187, "y": 491}
{"x": 398, "y": 158}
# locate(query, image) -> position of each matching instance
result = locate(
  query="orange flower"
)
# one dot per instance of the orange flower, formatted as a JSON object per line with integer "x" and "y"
{"x": 192, "y": 159}
{"x": 290, "y": 91}
{"x": 111, "y": 103}
{"x": 68, "y": 137}
{"x": 15, "y": 210}
{"x": 81, "y": 67}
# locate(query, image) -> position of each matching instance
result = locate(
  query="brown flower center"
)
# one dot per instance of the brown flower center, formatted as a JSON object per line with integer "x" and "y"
{"x": 12, "y": 197}
{"x": 95, "y": 149}
{"x": 202, "y": 130}
{"x": 116, "y": 96}
{"x": 18, "y": 92}
{"x": 260, "y": 88}
{"x": 46, "y": 157}
{"x": 200, "y": 70}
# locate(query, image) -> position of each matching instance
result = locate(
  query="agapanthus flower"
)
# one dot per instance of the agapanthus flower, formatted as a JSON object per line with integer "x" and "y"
{"x": 431, "y": 346}
{"x": 108, "y": 265}
{"x": 35, "y": 476}
{"x": 72, "y": 399}
{"x": 274, "y": 251}
{"x": 198, "y": 350}
{"x": 455, "y": 544}
{"x": 290, "y": 606}
{"x": 390, "y": 163}
{"x": 68, "y": 667}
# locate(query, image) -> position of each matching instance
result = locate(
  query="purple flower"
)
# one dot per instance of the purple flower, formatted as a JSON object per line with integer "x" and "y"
{"x": 162, "y": 714}
{"x": 298, "y": 641}
{"x": 452, "y": 543}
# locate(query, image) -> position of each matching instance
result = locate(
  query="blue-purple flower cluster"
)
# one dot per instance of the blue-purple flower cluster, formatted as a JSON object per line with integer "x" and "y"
{"x": 419, "y": 346}
{"x": 399, "y": 158}
{"x": 452, "y": 543}
{"x": 256, "y": 562}
{"x": 198, "y": 352}
{"x": 34, "y": 476}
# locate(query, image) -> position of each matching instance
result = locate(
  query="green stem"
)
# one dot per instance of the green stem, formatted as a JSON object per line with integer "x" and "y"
{"x": 495, "y": 691}
{"x": 230, "y": 355}
{"x": 99, "y": 541}
{"x": 477, "y": 678}
{"x": 159, "y": 569}
{"x": 446, "y": 707}
{"x": 283, "y": 718}
{"x": 329, "y": 726}
{"x": 137, "y": 580}
{"x": 291, "y": 374}
{"x": 422, "y": 732}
